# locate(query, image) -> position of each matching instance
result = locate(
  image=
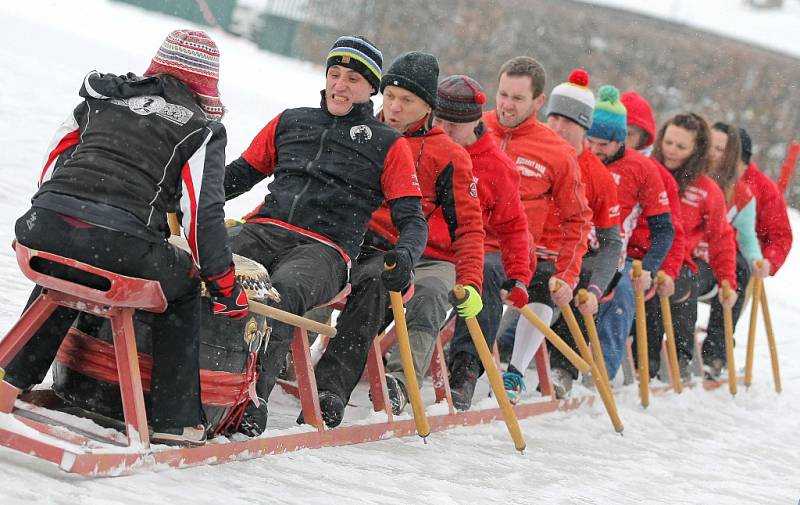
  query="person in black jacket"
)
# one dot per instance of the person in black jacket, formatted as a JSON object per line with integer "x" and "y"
{"x": 332, "y": 167}
{"x": 134, "y": 148}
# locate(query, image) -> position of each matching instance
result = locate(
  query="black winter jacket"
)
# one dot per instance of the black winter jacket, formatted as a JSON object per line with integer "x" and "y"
{"x": 134, "y": 149}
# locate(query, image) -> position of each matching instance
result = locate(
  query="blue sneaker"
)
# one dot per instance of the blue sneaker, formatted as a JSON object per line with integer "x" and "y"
{"x": 514, "y": 384}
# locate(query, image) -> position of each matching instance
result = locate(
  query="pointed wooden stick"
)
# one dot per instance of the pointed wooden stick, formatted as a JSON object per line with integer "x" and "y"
{"x": 554, "y": 339}
{"x": 641, "y": 340}
{"x": 404, "y": 346}
{"x": 603, "y": 387}
{"x": 727, "y": 321}
{"x": 758, "y": 288}
{"x": 493, "y": 374}
{"x": 669, "y": 329}
{"x": 773, "y": 348}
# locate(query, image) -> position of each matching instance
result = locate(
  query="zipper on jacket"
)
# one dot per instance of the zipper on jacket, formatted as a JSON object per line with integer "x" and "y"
{"x": 504, "y": 144}
{"x": 296, "y": 197}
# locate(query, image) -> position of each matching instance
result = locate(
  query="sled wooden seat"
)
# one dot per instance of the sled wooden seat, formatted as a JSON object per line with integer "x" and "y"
{"x": 123, "y": 296}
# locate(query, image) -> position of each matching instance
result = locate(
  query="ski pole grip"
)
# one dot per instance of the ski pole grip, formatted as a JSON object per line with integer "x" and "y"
{"x": 637, "y": 268}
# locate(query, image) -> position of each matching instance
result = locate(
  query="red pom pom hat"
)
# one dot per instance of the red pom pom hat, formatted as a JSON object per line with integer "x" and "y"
{"x": 459, "y": 99}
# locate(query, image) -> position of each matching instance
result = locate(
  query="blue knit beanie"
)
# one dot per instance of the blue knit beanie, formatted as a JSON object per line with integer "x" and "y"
{"x": 609, "y": 118}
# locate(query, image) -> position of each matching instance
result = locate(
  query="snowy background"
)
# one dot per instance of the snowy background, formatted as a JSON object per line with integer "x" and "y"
{"x": 696, "y": 448}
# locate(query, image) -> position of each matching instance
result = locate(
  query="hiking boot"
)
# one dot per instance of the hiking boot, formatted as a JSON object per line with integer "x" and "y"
{"x": 254, "y": 419}
{"x": 514, "y": 384}
{"x": 464, "y": 371}
{"x": 188, "y": 436}
{"x": 562, "y": 382}
{"x": 331, "y": 407}
{"x": 398, "y": 395}
{"x": 713, "y": 370}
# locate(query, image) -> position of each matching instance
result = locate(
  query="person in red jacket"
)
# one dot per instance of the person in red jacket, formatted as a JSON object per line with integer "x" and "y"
{"x": 641, "y": 135}
{"x": 641, "y": 192}
{"x": 453, "y": 253}
{"x": 569, "y": 114}
{"x": 550, "y": 179}
{"x": 772, "y": 222}
{"x": 682, "y": 147}
{"x": 505, "y": 273}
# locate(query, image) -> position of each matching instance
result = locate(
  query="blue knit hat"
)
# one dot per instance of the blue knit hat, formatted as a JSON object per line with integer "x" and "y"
{"x": 609, "y": 118}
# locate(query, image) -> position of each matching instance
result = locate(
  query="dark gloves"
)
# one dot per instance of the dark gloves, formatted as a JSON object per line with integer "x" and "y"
{"x": 399, "y": 277}
{"x": 516, "y": 293}
{"x": 227, "y": 296}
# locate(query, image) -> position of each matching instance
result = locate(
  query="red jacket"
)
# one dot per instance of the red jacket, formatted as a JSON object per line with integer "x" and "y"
{"x": 550, "y": 175}
{"x": 639, "y": 243}
{"x": 640, "y": 190}
{"x": 503, "y": 214}
{"x": 601, "y": 194}
{"x": 705, "y": 218}
{"x": 449, "y": 203}
{"x": 772, "y": 222}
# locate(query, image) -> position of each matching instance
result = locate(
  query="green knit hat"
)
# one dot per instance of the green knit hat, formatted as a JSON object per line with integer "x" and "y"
{"x": 609, "y": 118}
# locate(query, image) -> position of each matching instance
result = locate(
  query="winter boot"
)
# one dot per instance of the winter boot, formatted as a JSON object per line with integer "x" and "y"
{"x": 398, "y": 395}
{"x": 562, "y": 382}
{"x": 514, "y": 384}
{"x": 713, "y": 370}
{"x": 188, "y": 436}
{"x": 332, "y": 408}
{"x": 464, "y": 371}
{"x": 254, "y": 419}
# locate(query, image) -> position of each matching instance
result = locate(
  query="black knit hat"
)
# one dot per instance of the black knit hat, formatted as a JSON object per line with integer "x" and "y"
{"x": 415, "y": 71}
{"x": 359, "y": 54}
{"x": 747, "y": 145}
{"x": 459, "y": 99}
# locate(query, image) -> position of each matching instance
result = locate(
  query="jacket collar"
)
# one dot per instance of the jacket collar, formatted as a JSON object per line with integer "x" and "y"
{"x": 524, "y": 127}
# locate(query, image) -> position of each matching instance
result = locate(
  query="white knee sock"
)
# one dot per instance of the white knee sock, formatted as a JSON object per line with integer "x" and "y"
{"x": 527, "y": 339}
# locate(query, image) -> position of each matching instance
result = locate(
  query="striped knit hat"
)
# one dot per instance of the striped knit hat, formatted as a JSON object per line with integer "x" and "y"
{"x": 459, "y": 99}
{"x": 193, "y": 58}
{"x": 359, "y": 54}
{"x": 609, "y": 119}
{"x": 573, "y": 99}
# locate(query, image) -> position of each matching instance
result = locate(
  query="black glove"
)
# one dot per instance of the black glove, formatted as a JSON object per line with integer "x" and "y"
{"x": 399, "y": 277}
{"x": 227, "y": 296}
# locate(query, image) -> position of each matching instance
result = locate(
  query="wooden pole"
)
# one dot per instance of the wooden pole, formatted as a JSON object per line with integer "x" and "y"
{"x": 289, "y": 318}
{"x": 773, "y": 348}
{"x": 554, "y": 339}
{"x": 174, "y": 225}
{"x": 494, "y": 375}
{"x": 758, "y": 287}
{"x": 727, "y": 321}
{"x": 669, "y": 329}
{"x": 602, "y": 386}
{"x": 641, "y": 340}
{"x": 594, "y": 339}
{"x": 404, "y": 346}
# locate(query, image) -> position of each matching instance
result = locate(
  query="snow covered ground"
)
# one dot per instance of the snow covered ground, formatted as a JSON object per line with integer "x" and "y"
{"x": 696, "y": 448}
{"x": 771, "y": 28}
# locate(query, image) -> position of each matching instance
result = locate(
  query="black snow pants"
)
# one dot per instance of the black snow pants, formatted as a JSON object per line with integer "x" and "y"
{"x": 175, "y": 386}
{"x": 306, "y": 273}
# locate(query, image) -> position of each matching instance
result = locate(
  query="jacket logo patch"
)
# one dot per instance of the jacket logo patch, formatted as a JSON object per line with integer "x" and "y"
{"x": 530, "y": 168}
{"x": 360, "y": 133}
{"x": 473, "y": 188}
{"x": 153, "y": 104}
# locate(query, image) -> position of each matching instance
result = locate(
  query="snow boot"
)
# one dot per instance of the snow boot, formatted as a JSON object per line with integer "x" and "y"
{"x": 514, "y": 384}
{"x": 188, "y": 436}
{"x": 332, "y": 408}
{"x": 464, "y": 371}
{"x": 713, "y": 370}
{"x": 562, "y": 382}
{"x": 254, "y": 419}
{"x": 398, "y": 395}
